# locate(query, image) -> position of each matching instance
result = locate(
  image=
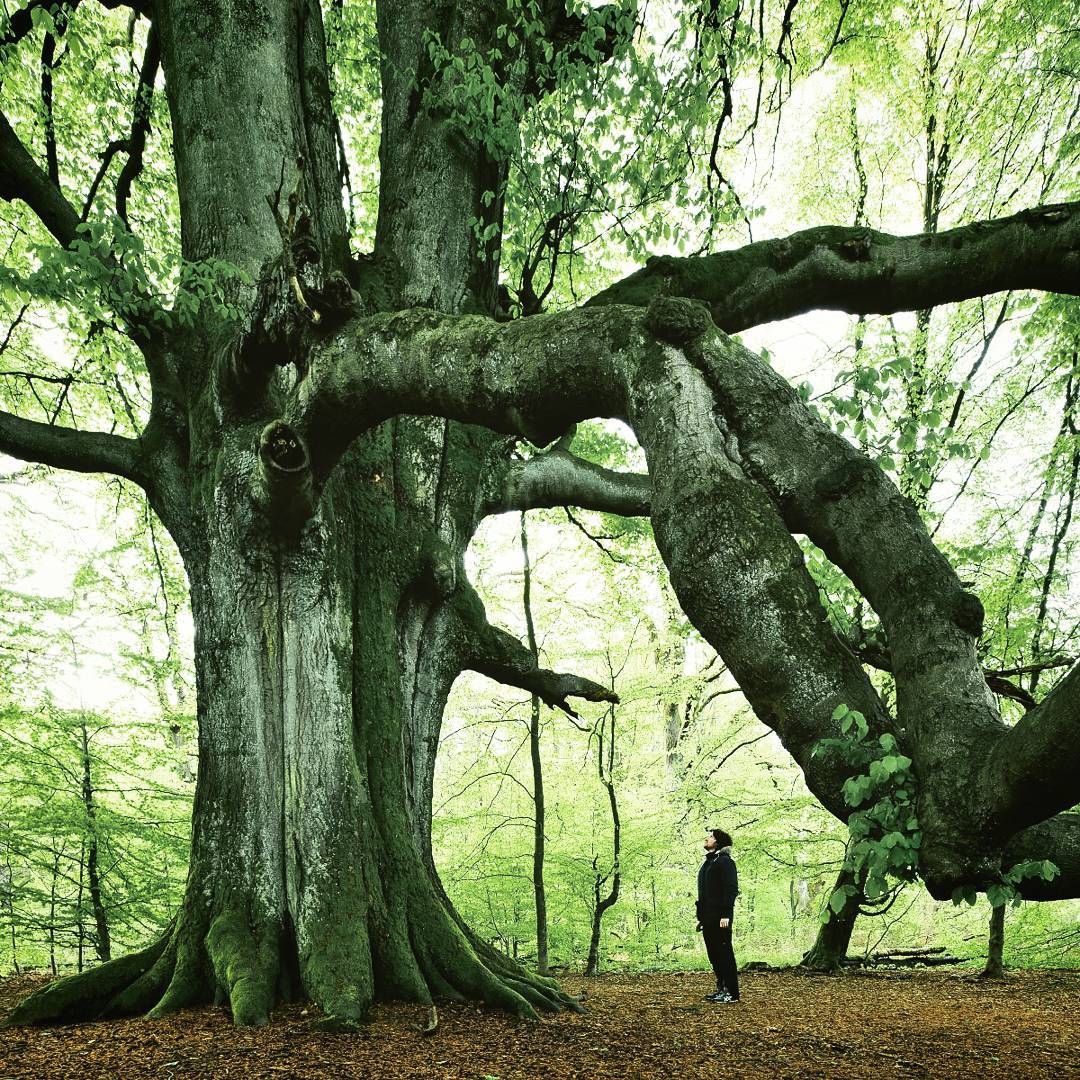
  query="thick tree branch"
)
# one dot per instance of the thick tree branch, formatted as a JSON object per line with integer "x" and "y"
{"x": 66, "y": 448}
{"x": 558, "y": 478}
{"x": 22, "y": 178}
{"x": 531, "y": 377}
{"x": 1057, "y": 840}
{"x": 1034, "y": 770}
{"x": 865, "y": 272}
{"x": 877, "y": 656}
{"x": 500, "y": 656}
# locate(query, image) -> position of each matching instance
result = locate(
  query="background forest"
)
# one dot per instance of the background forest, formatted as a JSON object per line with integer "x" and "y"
{"x": 929, "y": 114}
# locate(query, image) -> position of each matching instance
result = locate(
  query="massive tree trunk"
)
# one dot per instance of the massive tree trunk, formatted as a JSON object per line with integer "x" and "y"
{"x": 325, "y": 648}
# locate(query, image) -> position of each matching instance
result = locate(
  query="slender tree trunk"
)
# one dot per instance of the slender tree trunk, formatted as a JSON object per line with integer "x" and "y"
{"x": 1062, "y": 521}
{"x": 670, "y": 661}
{"x": 80, "y": 924}
{"x": 600, "y": 905}
{"x": 8, "y": 889}
{"x": 917, "y": 381}
{"x": 52, "y": 911}
{"x": 833, "y": 938}
{"x": 655, "y": 923}
{"x": 539, "y": 895}
{"x": 102, "y": 942}
{"x": 995, "y": 968}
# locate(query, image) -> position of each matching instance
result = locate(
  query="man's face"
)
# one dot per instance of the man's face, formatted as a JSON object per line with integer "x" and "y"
{"x": 710, "y": 842}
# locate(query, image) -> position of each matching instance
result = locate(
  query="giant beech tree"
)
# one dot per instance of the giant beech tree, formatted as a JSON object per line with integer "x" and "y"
{"x": 325, "y": 430}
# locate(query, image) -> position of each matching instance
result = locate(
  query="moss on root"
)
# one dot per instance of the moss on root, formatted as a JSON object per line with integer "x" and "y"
{"x": 245, "y": 961}
{"x": 90, "y": 994}
{"x": 442, "y": 962}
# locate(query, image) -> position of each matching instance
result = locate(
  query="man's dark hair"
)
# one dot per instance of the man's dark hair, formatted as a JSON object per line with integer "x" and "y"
{"x": 721, "y": 837}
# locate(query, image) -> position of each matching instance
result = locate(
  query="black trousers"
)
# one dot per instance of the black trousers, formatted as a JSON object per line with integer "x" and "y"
{"x": 721, "y": 954}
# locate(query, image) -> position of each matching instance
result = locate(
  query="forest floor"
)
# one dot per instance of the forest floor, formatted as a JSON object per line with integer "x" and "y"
{"x": 789, "y": 1024}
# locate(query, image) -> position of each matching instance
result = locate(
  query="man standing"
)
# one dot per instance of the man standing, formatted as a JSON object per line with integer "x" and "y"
{"x": 717, "y": 886}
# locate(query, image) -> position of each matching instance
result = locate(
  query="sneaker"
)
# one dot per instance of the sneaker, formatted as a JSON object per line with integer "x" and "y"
{"x": 721, "y": 997}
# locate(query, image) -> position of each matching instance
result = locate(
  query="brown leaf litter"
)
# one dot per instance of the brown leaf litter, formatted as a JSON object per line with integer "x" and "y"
{"x": 790, "y": 1024}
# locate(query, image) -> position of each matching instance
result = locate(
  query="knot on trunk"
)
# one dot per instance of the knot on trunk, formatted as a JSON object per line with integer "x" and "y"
{"x": 968, "y": 613}
{"x": 438, "y": 567}
{"x": 677, "y": 320}
{"x": 843, "y": 479}
{"x": 286, "y": 471}
{"x": 855, "y": 248}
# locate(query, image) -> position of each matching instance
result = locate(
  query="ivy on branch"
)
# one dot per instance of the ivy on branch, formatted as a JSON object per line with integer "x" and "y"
{"x": 884, "y": 827}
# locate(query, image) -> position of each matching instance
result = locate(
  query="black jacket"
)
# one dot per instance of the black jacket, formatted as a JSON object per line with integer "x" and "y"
{"x": 717, "y": 886}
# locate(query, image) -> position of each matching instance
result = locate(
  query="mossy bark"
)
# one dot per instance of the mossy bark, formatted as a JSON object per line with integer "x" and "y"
{"x": 306, "y": 878}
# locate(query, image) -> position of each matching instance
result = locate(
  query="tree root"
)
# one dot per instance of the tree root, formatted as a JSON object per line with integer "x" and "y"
{"x": 185, "y": 966}
{"x": 237, "y": 961}
{"x": 94, "y": 993}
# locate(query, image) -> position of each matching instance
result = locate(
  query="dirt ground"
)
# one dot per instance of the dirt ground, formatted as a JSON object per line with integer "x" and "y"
{"x": 789, "y": 1024}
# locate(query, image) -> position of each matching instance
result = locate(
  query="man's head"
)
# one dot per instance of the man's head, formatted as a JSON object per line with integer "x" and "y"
{"x": 715, "y": 839}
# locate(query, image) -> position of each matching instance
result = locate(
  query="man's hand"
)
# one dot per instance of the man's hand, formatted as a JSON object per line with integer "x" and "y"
{"x": 698, "y": 928}
{"x": 725, "y": 923}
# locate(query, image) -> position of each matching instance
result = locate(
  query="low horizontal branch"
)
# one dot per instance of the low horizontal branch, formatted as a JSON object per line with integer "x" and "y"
{"x": 866, "y": 272}
{"x": 68, "y": 448}
{"x": 532, "y": 377}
